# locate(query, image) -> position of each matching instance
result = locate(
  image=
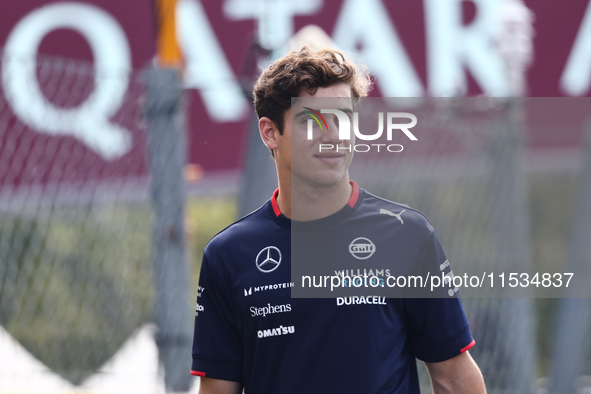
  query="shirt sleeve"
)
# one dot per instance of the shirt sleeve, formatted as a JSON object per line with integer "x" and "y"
{"x": 437, "y": 327}
{"x": 217, "y": 344}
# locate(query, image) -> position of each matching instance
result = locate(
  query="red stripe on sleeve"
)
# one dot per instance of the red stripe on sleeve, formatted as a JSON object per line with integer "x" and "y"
{"x": 469, "y": 346}
{"x": 197, "y": 373}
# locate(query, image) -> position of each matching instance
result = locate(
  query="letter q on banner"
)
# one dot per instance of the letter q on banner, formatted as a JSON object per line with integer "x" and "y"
{"x": 89, "y": 122}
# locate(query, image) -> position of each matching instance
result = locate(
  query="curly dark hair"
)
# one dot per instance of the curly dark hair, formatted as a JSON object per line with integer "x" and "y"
{"x": 305, "y": 69}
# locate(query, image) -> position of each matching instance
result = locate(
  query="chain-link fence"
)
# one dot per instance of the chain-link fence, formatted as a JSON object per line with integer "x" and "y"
{"x": 82, "y": 198}
{"x": 75, "y": 226}
{"x": 497, "y": 207}
{"x": 87, "y": 212}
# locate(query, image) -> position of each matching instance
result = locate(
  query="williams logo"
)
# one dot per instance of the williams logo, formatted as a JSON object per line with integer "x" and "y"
{"x": 362, "y": 248}
{"x": 268, "y": 259}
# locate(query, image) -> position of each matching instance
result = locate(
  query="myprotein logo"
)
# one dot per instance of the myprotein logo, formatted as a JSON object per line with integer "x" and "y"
{"x": 345, "y": 130}
{"x": 274, "y": 286}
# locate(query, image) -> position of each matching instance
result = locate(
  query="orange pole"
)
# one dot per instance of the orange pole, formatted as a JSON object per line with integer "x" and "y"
{"x": 168, "y": 50}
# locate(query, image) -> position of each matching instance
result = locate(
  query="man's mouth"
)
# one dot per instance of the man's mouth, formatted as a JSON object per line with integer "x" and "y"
{"x": 330, "y": 157}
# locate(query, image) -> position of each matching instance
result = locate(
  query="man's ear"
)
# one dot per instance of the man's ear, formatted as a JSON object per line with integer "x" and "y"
{"x": 269, "y": 132}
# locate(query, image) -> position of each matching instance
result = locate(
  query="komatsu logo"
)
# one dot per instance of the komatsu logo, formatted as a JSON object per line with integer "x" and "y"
{"x": 362, "y": 248}
{"x": 272, "y": 332}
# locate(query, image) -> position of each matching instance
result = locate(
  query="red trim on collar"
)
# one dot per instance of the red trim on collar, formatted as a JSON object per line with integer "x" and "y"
{"x": 274, "y": 203}
{"x": 354, "y": 195}
{"x": 351, "y": 203}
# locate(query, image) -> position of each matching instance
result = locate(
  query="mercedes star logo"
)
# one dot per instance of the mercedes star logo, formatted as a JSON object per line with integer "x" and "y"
{"x": 268, "y": 259}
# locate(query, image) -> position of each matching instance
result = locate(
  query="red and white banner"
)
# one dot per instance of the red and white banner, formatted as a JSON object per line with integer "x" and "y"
{"x": 429, "y": 47}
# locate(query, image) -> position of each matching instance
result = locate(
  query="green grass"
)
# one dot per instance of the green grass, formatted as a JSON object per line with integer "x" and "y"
{"x": 75, "y": 285}
{"x": 205, "y": 218}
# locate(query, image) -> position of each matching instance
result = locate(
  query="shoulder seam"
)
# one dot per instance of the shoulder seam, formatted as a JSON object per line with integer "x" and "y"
{"x": 236, "y": 222}
{"x": 431, "y": 230}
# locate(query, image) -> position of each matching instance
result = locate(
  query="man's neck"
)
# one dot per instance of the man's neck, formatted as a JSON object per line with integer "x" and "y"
{"x": 307, "y": 202}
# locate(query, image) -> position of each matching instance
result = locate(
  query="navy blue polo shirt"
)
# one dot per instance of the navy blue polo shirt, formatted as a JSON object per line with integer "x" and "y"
{"x": 248, "y": 328}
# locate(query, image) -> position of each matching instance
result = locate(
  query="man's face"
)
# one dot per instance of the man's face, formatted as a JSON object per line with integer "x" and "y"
{"x": 301, "y": 156}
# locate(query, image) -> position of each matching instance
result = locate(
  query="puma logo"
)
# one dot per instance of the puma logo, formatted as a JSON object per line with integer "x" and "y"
{"x": 396, "y": 215}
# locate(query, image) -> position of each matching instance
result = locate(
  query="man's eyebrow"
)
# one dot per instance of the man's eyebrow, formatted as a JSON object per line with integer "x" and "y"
{"x": 305, "y": 111}
{"x": 302, "y": 112}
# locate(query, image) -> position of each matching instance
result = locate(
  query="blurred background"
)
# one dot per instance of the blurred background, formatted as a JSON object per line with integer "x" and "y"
{"x": 128, "y": 139}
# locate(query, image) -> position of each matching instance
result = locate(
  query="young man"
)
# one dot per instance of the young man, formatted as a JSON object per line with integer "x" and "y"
{"x": 250, "y": 333}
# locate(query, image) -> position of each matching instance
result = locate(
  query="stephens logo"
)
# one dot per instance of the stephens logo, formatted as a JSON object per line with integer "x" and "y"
{"x": 345, "y": 129}
{"x": 362, "y": 248}
{"x": 269, "y": 310}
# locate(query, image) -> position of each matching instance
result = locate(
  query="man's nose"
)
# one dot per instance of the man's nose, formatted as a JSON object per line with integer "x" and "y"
{"x": 331, "y": 134}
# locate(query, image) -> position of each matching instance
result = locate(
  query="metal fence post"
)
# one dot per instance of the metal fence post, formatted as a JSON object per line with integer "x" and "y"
{"x": 167, "y": 158}
{"x": 259, "y": 179}
{"x": 510, "y": 211}
{"x": 574, "y": 314}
